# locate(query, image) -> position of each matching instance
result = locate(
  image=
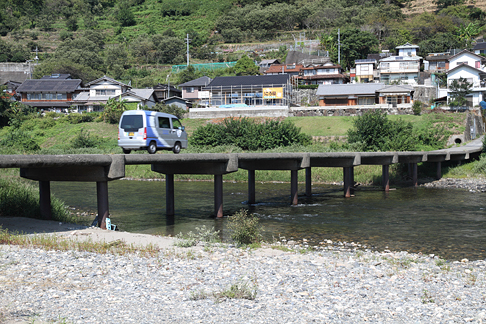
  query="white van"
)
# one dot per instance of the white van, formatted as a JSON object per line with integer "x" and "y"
{"x": 150, "y": 130}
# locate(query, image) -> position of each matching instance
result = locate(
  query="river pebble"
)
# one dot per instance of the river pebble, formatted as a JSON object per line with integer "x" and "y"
{"x": 471, "y": 184}
{"x": 181, "y": 285}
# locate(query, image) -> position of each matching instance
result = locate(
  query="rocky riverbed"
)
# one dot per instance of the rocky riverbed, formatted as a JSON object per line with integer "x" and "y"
{"x": 226, "y": 284}
{"x": 471, "y": 184}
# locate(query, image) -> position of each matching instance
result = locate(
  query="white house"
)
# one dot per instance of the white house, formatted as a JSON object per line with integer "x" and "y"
{"x": 327, "y": 73}
{"x": 365, "y": 70}
{"x": 404, "y": 68}
{"x": 99, "y": 91}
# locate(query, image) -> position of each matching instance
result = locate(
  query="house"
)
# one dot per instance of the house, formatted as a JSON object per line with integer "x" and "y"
{"x": 469, "y": 66}
{"x": 365, "y": 70}
{"x": 253, "y": 90}
{"x": 328, "y": 73}
{"x": 395, "y": 95}
{"x": 348, "y": 94}
{"x": 265, "y": 64}
{"x": 437, "y": 62}
{"x": 404, "y": 68}
{"x": 480, "y": 48}
{"x": 178, "y": 101}
{"x": 290, "y": 69}
{"x": 98, "y": 92}
{"x": 57, "y": 94}
{"x": 164, "y": 91}
{"x": 191, "y": 90}
{"x": 468, "y": 58}
{"x": 11, "y": 89}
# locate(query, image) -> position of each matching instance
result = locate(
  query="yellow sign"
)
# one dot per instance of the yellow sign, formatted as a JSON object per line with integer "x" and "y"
{"x": 272, "y": 93}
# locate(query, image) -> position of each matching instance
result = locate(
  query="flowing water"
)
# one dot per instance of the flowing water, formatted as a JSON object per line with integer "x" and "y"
{"x": 448, "y": 223}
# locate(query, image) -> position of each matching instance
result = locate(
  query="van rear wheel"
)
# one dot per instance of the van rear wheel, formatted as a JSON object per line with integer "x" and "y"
{"x": 177, "y": 148}
{"x": 125, "y": 151}
{"x": 152, "y": 148}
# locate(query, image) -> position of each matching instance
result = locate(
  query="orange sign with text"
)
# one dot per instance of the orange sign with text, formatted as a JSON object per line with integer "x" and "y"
{"x": 272, "y": 93}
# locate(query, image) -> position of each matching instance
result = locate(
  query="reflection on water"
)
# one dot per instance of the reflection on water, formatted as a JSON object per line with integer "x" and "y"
{"x": 449, "y": 223}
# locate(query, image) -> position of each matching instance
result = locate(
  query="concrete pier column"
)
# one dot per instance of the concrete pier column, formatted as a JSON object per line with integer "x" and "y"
{"x": 45, "y": 199}
{"x": 218, "y": 195}
{"x": 308, "y": 182}
{"x": 103, "y": 208}
{"x": 169, "y": 195}
{"x": 414, "y": 174}
{"x": 385, "y": 177}
{"x": 294, "y": 185}
{"x": 251, "y": 186}
{"x": 347, "y": 177}
{"x": 439, "y": 170}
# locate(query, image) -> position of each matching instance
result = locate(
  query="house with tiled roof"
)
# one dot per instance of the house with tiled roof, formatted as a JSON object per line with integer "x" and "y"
{"x": 480, "y": 48}
{"x": 191, "y": 90}
{"x": 403, "y": 68}
{"x": 251, "y": 90}
{"x": 328, "y": 73}
{"x": 290, "y": 69}
{"x": 99, "y": 91}
{"x": 57, "y": 94}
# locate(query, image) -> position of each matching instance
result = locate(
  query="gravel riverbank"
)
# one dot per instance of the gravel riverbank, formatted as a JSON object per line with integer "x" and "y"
{"x": 187, "y": 285}
{"x": 471, "y": 184}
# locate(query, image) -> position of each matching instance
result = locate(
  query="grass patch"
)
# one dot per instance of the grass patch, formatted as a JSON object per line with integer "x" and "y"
{"x": 53, "y": 242}
{"x": 245, "y": 228}
{"x": 203, "y": 234}
{"x": 242, "y": 289}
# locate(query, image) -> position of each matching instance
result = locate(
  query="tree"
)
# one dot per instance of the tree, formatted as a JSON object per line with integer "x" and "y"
{"x": 125, "y": 16}
{"x": 246, "y": 66}
{"x": 459, "y": 89}
{"x": 441, "y": 4}
{"x": 466, "y": 33}
{"x": 66, "y": 66}
{"x": 355, "y": 44}
{"x": 168, "y": 48}
{"x": 113, "y": 110}
{"x": 189, "y": 74}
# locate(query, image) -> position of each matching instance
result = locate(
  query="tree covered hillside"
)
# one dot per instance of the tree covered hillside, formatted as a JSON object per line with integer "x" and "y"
{"x": 138, "y": 39}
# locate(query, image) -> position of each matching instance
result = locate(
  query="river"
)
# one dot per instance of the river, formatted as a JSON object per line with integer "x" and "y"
{"x": 450, "y": 223}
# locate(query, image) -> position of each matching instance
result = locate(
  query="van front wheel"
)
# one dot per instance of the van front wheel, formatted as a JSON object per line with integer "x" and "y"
{"x": 177, "y": 148}
{"x": 125, "y": 151}
{"x": 152, "y": 148}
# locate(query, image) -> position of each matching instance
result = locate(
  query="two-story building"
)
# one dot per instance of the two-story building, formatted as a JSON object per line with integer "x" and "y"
{"x": 437, "y": 62}
{"x": 97, "y": 93}
{"x": 328, "y": 73}
{"x": 49, "y": 93}
{"x": 403, "y": 68}
{"x": 192, "y": 90}
{"x": 468, "y": 66}
{"x": 292, "y": 69}
{"x": 365, "y": 70}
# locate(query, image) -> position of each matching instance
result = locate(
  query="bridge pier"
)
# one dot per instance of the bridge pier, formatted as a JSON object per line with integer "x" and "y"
{"x": 103, "y": 207}
{"x": 385, "y": 178}
{"x": 218, "y": 195}
{"x": 294, "y": 187}
{"x": 169, "y": 195}
{"x": 251, "y": 187}
{"x": 348, "y": 175}
{"x": 45, "y": 199}
{"x": 439, "y": 170}
{"x": 308, "y": 182}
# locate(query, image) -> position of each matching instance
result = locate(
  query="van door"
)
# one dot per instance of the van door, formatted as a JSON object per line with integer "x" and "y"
{"x": 180, "y": 134}
{"x": 164, "y": 130}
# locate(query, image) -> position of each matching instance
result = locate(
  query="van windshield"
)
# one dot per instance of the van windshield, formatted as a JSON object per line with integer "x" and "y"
{"x": 131, "y": 123}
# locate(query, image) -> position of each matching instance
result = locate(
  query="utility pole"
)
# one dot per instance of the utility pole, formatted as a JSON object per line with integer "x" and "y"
{"x": 339, "y": 47}
{"x": 187, "y": 40}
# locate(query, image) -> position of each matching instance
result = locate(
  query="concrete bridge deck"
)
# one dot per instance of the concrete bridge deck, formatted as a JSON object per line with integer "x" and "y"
{"x": 104, "y": 168}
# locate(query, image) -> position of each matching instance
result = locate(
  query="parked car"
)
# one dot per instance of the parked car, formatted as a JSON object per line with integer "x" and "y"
{"x": 151, "y": 131}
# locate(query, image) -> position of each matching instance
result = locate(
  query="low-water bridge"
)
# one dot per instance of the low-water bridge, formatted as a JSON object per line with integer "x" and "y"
{"x": 103, "y": 168}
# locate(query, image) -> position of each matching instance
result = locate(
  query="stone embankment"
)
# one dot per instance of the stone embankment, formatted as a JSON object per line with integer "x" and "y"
{"x": 195, "y": 285}
{"x": 471, "y": 184}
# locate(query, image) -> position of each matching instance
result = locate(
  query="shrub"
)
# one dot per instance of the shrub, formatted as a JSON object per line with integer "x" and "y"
{"x": 85, "y": 140}
{"x": 417, "y": 107}
{"x": 79, "y": 118}
{"x": 375, "y": 132}
{"x": 21, "y": 199}
{"x": 245, "y": 228}
{"x": 170, "y": 109}
{"x": 247, "y": 134}
{"x": 20, "y": 140}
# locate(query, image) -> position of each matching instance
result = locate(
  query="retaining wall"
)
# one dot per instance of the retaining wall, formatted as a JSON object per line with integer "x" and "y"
{"x": 405, "y": 109}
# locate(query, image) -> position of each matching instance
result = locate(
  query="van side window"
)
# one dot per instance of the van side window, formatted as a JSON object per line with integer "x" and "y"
{"x": 176, "y": 123}
{"x": 164, "y": 122}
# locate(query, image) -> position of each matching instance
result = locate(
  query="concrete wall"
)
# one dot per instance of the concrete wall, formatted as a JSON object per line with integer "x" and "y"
{"x": 404, "y": 109}
{"x": 15, "y": 72}
{"x": 424, "y": 93}
{"x": 262, "y": 111}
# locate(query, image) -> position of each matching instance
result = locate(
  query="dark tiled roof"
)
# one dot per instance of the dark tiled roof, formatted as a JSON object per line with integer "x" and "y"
{"x": 105, "y": 78}
{"x": 49, "y": 85}
{"x": 250, "y": 80}
{"x": 199, "y": 82}
{"x": 479, "y": 46}
{"x": 323, "y": 76}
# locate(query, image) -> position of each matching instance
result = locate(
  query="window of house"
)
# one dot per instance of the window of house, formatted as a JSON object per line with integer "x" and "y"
{"x": 190, "y": 89}
{"x": 385, "y": 65}
{"x": 366, "y": 101}
{"x": 365, "y": 68}
{"x": 441, "y": 64}
{"x": 391, "y": 100}
{"x": 105, "y": 92}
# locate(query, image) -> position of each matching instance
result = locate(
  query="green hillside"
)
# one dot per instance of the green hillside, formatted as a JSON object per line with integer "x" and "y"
{"x": 138, "y": 40}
